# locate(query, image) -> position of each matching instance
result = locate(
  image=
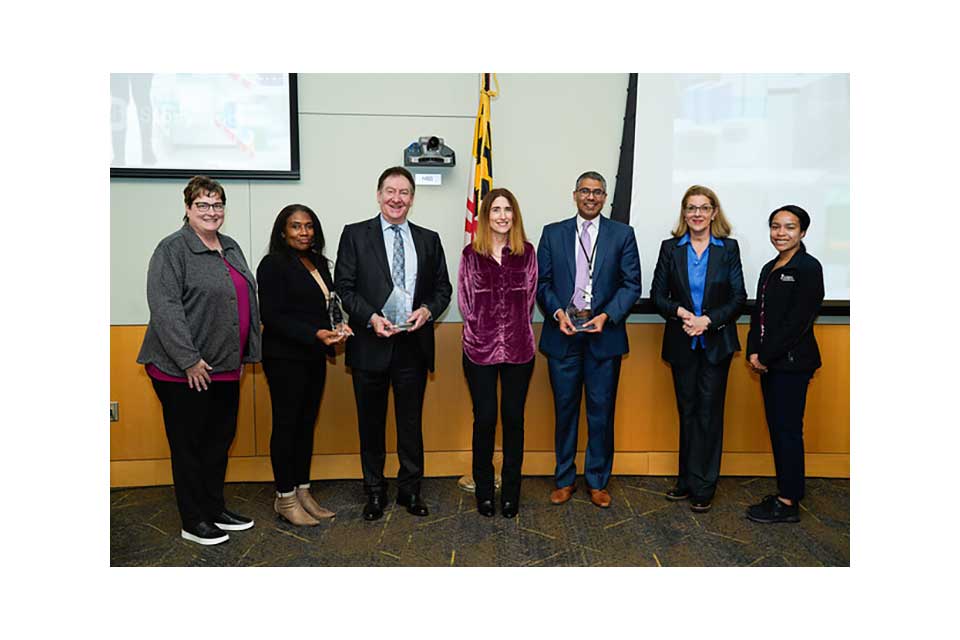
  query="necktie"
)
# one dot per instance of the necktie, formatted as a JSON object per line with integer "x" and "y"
{"x": 398, "y": 257}
{"x": 584, "y": 250}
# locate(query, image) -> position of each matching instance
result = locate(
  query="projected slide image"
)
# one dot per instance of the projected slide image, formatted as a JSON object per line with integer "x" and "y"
{"x": 760, "y": 141}
{"x": 203, "y": 122}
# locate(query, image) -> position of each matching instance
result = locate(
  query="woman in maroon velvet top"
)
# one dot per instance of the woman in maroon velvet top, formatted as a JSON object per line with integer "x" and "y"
{"x": 496, "y": 289}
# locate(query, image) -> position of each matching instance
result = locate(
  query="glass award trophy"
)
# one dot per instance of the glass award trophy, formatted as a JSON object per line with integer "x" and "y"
{"x": 578, "y": 310}
{"x": 335, "y": 309}
{"x": 395, "y": 309}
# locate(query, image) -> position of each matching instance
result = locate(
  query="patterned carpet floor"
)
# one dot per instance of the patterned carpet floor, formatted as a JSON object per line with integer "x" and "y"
{"x": 641, "y": 528}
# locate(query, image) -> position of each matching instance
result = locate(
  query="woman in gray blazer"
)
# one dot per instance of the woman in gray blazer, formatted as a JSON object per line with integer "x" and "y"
{"x": 204, "y": 324}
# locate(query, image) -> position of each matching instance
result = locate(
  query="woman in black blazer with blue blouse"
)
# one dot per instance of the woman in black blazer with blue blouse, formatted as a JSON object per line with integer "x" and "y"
{"x": 294, "y": 286}
{"x": 698, "y": 288}
{"x": 781, "y": 347}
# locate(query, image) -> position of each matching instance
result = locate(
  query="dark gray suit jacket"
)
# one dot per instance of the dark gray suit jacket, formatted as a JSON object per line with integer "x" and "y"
{"x": 362, "y": 279}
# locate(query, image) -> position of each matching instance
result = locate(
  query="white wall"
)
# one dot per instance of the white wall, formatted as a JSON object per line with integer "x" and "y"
{"x": 547, "y": 129}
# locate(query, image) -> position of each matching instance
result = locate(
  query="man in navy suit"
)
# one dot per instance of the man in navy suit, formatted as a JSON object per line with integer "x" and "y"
{"x": 589, "y": 265}
{"x": 392, "y": 277}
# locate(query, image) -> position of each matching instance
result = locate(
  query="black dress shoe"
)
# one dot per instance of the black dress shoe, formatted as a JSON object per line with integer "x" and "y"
{"x": 204, "y": 533}
{"x": 700, "y": 505}
{"x": 230, "y": 521}
{"x": 414, "y": 504}
{"x": 677, "y": 493}
{"x": 486, "y": 508}
{"x": 373, "y": 510}
{"x": 509, "y": 509}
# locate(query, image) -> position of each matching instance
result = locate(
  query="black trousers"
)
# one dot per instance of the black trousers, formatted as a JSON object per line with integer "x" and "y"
{"x": 514, "y": 381}
{"x": 200, "y": 427}
{"x": 701, "y": 388}
{"x": 407, "y": 374}
{"x": 295, "y": 390}
{"x": 784, "y": 401}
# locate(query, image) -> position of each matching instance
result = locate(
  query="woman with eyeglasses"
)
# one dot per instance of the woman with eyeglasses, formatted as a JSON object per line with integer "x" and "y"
{"x": 204, "y": 325}
{"x": 296, "y": 292}
{"x": 781, "y": 347}
{"x": 698, "y": 289}
{"x": 496, "y": 289}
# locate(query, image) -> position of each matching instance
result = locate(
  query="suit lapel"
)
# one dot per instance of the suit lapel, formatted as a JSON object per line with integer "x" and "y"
{"x": 567, "y": 244}
{"x": 420, "y": 245}
{"x": 713, "y": 263}
{"x": 680, "y": 260}
{"x": 603, "y": 245}
{"x": 378, "y": 248}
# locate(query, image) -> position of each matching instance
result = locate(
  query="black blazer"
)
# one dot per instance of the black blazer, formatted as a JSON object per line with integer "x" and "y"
{"x": 292, "y": 307}
{"x": 364, "y": 283}
{"x": 723, "y": 299}
{"x": 790, "y": 304}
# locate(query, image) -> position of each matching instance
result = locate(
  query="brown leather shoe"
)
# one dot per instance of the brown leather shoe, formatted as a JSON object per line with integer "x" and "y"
{"x": 600, "y": 497}
{"x": 311, "y": 506}
{"x": 561, "y": 495}
{"x": 288, "y": 508}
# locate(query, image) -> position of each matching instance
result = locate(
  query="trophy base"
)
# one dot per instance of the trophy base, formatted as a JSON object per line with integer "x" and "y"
{"x": 579, "y": 317}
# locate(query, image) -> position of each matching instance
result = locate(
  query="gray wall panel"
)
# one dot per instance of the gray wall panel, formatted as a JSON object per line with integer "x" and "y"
{"x": 546, "y": 130}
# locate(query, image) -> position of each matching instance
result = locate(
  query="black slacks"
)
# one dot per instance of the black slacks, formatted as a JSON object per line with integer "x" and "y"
{"x": 701, "y": 389}
{"x": 200, "y": 427}
{"x": 295, "y": 390}
{"x": 407, "y": 374}
{"x": 784, "y": 401}
{"x": 514, "y": 381}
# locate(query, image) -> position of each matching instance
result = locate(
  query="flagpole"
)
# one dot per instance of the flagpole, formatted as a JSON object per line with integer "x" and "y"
{"x": 481, "y": 182}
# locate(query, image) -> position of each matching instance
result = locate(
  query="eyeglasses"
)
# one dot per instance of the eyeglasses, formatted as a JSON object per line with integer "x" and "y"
{"x": 583, "y": 191}
{"x": 706, "y": 208}
{"x": 203, "y": 207}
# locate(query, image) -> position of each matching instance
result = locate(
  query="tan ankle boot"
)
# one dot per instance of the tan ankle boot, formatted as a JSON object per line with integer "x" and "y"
{"x": 290, "y": 510}
{"x": 311, "y": 506}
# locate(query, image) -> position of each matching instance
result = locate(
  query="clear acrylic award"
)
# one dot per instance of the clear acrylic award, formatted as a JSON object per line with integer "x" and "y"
{"x": 335, "y": 309}
{"x": 578, "y": 310}
{"x": 395, "y": 309}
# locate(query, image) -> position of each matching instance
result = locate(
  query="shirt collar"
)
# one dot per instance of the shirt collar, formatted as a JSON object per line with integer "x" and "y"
{"x": 685, "y": 239}
{"x": 385, "y": 224}
{"x": 195, "y": 244}
{"x": 581, "y": 220}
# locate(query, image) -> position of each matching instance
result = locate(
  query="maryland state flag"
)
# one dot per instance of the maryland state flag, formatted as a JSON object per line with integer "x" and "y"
{"x": 481, "y": 182}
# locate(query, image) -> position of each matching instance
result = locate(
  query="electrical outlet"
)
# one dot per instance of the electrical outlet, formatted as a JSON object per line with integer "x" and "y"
{"x": 114, "y": 411}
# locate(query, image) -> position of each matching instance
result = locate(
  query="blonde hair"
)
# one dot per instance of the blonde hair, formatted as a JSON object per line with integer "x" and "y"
{"x": 719, "y": 226}
{"x": 483, "y": 238}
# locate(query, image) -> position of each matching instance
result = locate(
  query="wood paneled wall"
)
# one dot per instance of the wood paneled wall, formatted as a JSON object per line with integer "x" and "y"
{"x": 645, "y": 429}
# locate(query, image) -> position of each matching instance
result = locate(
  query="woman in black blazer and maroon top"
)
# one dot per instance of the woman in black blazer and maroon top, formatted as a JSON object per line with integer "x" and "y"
{"x": 294, "y": 285}
{"x": 698, "y": 288}
{"x": 781, "y": 347}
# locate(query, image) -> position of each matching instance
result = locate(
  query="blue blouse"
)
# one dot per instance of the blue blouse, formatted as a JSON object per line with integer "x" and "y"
{"x": 697, "y": 275}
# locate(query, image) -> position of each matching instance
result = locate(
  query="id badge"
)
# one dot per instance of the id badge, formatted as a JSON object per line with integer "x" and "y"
{"x": 588, "y": 292}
